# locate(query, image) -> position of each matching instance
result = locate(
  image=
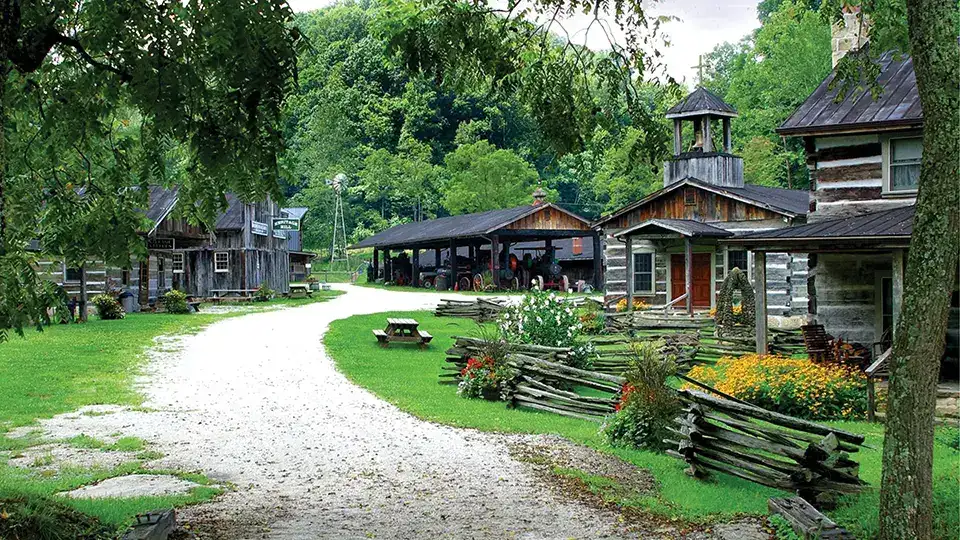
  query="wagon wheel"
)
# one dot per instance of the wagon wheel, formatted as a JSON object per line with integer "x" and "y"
{"x": 428, "y": 284}
{"x": 539, "y": 283}
{"x": 464, "y": 283}
{"x": 478, "y": 282}
{"x": 514, "y": 284}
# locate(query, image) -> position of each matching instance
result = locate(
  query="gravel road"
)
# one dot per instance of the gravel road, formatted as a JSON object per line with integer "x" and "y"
{"x": 255, "y": 401}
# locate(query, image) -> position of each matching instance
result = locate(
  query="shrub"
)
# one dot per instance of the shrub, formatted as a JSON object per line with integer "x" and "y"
{"x": 485, "y": 378}
{"x": 638, "y": 305}
{"x": 263, "y": 294}
{"x": 545, "y": 319}
{"x": 175, "y": 302}
{"x": 647, "y": 405}
{"x": 948, "y": 436}
{"x": 108, "y": 308}
{"x": 591, "y": 318}
{"x": 797, "y": 387}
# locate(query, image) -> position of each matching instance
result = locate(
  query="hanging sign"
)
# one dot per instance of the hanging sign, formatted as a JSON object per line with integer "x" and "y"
{"x": 160, "y": 243}
{"x": 286, "y": 224}
{"x": 280, "y": 234}
{"x": 259, "y": 228}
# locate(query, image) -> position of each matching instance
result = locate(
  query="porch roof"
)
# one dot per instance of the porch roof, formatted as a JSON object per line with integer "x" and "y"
{"x": 683, "y": 227}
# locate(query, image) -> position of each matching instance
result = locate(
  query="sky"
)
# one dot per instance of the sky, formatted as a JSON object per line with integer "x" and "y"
{"x": 703, "y": 25}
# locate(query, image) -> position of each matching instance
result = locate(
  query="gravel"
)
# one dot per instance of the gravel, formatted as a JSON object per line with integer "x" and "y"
{"x": 255, "y": 401}
{"x": 134, "y": 485}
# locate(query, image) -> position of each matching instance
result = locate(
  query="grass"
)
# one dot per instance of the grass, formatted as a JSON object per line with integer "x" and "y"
{"x": 407, "y": 377}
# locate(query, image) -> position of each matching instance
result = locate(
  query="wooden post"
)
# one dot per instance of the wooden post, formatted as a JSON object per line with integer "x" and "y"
{"x": 495, "y": 259}
{"x": 415, "y": 267}
{"x": 760, "y": 298}
{"x": 83, "y": 291}
{"x": 630, "y": 285}
{"x": 597, "y": 262}
{"x": 387, "y": 266}
{"x": 897, "y": 286}
{"x": 436, "y": 257}
{"x": 453, "y": 264}
{"x": 688, "y": 272}
{"x": 707, "y": 137}
{"x": 376, "y": 264}
{"x": 727, "y": 139}
{"x": 548, "y": 244}
{"x": 677, "y": 137}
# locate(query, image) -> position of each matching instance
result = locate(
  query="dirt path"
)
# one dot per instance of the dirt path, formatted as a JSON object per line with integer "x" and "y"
{"x": 255, "y": 401}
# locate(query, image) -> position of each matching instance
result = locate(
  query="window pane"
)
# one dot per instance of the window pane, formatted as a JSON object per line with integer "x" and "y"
{"x": 643, "y": 282}
{"x": 643, "y": 272}
{"x": 909, "y": 150}
{"x": 904, "y": 177}
{"x": 643, "y": 262}
{"x": 737, "y": 259}
{"x": 73, "y": 274}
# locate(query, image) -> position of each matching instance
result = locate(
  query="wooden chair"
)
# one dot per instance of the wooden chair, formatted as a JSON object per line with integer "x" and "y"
{"x": 817, "y": 342}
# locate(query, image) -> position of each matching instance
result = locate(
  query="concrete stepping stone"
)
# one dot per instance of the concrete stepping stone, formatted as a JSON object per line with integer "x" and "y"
{"x": 134, "y": 485}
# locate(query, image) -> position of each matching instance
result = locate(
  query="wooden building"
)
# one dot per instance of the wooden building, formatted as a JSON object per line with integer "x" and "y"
{"x": 673, "y": 236}
{"x": 864, "y": 160}
{"x": 299, "y": 259}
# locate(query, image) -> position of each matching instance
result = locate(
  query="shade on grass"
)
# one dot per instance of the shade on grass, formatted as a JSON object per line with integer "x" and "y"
{"x": 407, "y": 377}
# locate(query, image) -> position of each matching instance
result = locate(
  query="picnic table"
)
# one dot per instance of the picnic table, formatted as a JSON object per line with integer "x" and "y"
{"x": 404, "y": 331}
{"x": 300, "y": 290}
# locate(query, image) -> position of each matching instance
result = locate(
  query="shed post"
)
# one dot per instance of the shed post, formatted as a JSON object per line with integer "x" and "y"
{"x": 506, "y": 256}
{"x": 760, "y": 298}
{"x": 548, "y": 244}
{"x": 629, "y": 270}
{"x": 453, "y": 264}
{"x": 597, "y": 262}
{"x": 83, "y": 291}
{"x": 677, "y": 137}
{"x": 495, "y": 259}
{"x": 707, "y": 138}
{"x": 415, "y": 267}
{"x": 688, "y": 272}
{"x": 897, "y": 283}
{"x": 436, "y": 258}
{"x": 376, "y": 264}
{"x": 727, "y": 139}
{"x": 387, "y": 266}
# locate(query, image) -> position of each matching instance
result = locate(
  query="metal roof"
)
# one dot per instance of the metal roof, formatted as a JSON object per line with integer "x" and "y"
{"x": 701, "y": 101}
{"x": 161, "y": 202}
{"x": 683, "y": 227}
{"x": 790, "y": 202}
{"x": 887, "y": 224}
{"x": 897, "y": 106}
{"x": 232, "y": 217}
{"x": 464, "y": 226}
{"x": 295, "y": 212}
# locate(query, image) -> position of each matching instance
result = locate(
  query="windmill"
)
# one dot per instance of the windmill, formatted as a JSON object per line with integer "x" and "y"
{"x": 338, "y": 247}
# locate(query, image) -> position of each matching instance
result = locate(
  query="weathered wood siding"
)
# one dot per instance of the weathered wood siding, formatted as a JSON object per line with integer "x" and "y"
{"x": 720, "y": 169}
{"x": 846, "y": 289}
{"x": 846, "y": 176}
{"x": 706, "y": 206}
{"x": 549, "y": 219}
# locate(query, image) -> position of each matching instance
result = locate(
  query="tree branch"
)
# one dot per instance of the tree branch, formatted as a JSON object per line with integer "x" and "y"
{"x": 74, "y": 44}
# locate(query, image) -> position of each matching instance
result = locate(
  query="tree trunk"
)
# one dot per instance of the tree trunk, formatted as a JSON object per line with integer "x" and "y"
{"x": 906, "y": 495}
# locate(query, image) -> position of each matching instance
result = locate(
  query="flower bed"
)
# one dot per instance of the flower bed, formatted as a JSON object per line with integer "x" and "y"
{"x": 797, "y": 387}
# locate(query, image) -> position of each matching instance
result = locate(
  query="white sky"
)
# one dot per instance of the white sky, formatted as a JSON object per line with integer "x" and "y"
{"x": 703, "y": 25}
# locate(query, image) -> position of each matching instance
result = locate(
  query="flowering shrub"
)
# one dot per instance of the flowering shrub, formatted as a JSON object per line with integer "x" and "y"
{"x": 591, "y": 318}
{"x": 484, "y": 378}
{"x": 175, "y": 302}
{"x": 797, "y": 387}
{"x": 647, "y": 405}
{"x": 107, "y": 307}
{"x": 638, "y": 305}
{"x": 545, "y": 319}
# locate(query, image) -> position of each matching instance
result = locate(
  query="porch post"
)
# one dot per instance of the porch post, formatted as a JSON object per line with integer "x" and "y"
{"x": 760, "y": 298}
{"x": 495, "y": 260}
{"x": 453, "y": 264}
{"x": 415, "y": 267}
{"x": 897, "y": 286}
{"x": 688, "y": 272}
{"x": 436, "y": 258}
{"x": 387, "y": 266}
{"x": 629, "y": 271}
{"x": 376, "y": 264}
{"x": 597, "y": 262}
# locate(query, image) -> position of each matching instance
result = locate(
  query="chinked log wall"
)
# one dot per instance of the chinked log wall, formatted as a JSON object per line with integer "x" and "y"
{"x": 847, "y": 174}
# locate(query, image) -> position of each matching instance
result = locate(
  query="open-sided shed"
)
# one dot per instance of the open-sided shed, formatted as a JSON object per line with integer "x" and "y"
{"x": 499, "y": 229}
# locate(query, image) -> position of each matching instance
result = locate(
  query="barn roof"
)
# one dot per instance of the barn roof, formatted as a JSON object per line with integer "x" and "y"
{"x": 445, "y": 228}
{"x": 161, "y": 202}
{"x": 789, "y": 202}
{"x": 295, "y": 212}
{"x": 897, "y": 106}
{"x": 701, "y": 101}
{"x": 232, "y": 217}
{"x": 683, "y": 227}
{"x": 895, "y": 224}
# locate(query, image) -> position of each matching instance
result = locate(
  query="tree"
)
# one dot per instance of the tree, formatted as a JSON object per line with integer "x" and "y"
{"x": 906, "y": 492}
{"x": 482, "y": 177}
{"x": 203, "y": 81}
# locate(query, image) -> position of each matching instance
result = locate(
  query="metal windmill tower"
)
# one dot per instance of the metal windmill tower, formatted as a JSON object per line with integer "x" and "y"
{"x": 338, "y": 247}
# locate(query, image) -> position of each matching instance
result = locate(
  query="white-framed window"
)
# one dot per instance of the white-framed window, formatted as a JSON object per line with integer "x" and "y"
{"x": 177, "y": 263}
{"x": 901, "y": 163}
{"x": 643, "y": 275}
{"x": 742, "y": 259}
{"x": 221, "y": 261}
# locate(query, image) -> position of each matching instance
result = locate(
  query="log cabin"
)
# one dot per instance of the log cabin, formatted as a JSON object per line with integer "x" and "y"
{"x": 864, "y": 160}
{"x": 666, "y": 248}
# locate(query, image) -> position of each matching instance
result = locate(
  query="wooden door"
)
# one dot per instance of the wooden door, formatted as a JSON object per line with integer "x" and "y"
{"x": 702, "y": 286}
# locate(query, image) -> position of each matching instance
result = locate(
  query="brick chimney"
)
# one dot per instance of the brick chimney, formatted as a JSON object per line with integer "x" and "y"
{"x": 849, "y": 34}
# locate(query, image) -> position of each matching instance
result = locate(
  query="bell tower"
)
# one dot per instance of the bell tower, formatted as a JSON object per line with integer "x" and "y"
{"x": 700, "y": 158}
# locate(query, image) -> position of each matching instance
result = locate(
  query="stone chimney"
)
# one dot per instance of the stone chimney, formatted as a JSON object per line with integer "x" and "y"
{"x": 849, "y": 34}
{"x": 539, "y": 196}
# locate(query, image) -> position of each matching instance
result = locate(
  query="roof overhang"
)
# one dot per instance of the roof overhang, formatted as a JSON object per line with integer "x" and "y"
{"x": 850, "y": 129}
{"x": 659, "y": 226}
{"x": 702, "y": 112}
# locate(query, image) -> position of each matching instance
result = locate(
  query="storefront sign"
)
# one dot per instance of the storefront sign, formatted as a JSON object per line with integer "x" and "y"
{"x": 160, "y": 243}
{"x": 286, "y": 224}
{"x": 259, "y": 228}
{"x": 277, "y": 233}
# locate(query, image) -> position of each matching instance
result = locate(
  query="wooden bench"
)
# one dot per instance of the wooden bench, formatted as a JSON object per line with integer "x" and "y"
{"x": 806, "y": 520}
{"x": 817, "y": 342}
{"x": 382, "y": 338}
{"x": 300, "y": 291}
{"x": 425, "y": 338}
{"x": 194, "y": 305}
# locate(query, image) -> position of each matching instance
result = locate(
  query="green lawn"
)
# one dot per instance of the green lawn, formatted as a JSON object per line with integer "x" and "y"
{"x": 68, "y": 366}
{"x": 407, "y": 377}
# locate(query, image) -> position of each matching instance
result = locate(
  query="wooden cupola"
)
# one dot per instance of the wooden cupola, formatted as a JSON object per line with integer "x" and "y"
{"x": 699, "y": 159}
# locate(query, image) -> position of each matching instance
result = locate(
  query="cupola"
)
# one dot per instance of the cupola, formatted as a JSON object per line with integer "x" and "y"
{"x": 698, "y": 158}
